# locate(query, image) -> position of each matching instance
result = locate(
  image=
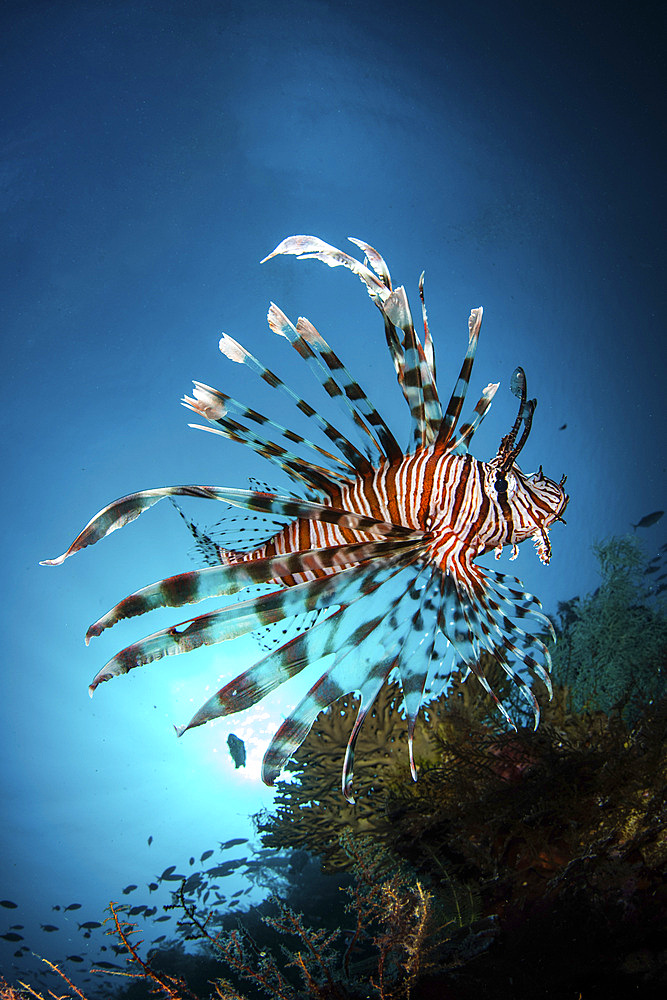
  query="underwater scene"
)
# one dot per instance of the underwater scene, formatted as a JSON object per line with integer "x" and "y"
{"x": 387, "y": 644}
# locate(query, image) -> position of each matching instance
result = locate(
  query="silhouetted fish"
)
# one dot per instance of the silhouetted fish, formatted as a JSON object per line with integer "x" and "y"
{"x": 150, "y": 841}
{"x": 74, "y": 958}
{"x": 90, "y": 925}
{"x": 236, "y": 750}
{"x": 48, "y": 927}
{"x": 205, "y": 855}
{"x": 73, "y": 906}
{"x": 11, "y": 936}
{"x": 12, "y": 906}
{"x": 649, "y": 519}
{"x": 226, "y": 868}
{"x": 234, "y": 842}
{"x": 562, "y": 427}
{"x": 128, "y": 889}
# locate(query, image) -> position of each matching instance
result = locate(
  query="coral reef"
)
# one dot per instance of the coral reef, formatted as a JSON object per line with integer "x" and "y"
{"x": 612, "y": 648}
{"x": 310, "y": 811}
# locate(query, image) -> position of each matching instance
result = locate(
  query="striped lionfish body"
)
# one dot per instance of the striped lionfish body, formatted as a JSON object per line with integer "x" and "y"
{"x": 381, "y": 542}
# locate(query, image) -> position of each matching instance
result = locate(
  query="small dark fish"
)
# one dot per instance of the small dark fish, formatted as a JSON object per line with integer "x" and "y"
{"x": 649, "y": 519}
{"x": 205, "y": 855}
{"x": 90, "y": 925}
{"x": 107, "y": 965}
{"x": 158, "y": 939}
{"x": 74, "y": 958}
{"x": 56, "y": 907}
{"x": 562, "y": 427}
{"x": 176, "y": 877}
{"x": 193, "y": 882}
{"x": 159, "y": 920}
{"x": 238, "y": 893}
{"x": 233, "y": 843}
{"x": 48, "y": 927}
{"x": 192, "y": 861}
{"x": 11, "y": 936}
{"x": 73, "y": 906}
{"x": 652, "y": 569}
{"x": 236, "y": 750}
{"x": 152, "y": 886}
{"x": 221, "y": 870}
{"x": 234, "y": 902}
{"x": 128, "y": 889}
{"x": 16, "y": 927}
{"x": 150, "y": 840}
{"x": 136, "y": 910}
{"x": 8, "y": 904}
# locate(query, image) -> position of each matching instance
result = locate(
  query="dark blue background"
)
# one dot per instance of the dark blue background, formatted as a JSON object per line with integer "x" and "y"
{"x": 153, "y": 154}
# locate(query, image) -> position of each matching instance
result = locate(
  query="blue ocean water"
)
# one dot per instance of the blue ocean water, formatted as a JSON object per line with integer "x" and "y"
{"x": 153, "y": 154}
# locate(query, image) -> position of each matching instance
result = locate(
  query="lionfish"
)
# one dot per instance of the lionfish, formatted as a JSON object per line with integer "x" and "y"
{"x": 378, "y": 546}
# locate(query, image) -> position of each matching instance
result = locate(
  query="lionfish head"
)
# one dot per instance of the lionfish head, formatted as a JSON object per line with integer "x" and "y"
{"x": 529, "y": 503}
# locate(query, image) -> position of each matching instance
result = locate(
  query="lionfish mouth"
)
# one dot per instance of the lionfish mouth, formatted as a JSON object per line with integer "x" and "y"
{"x": 558, "y": 516}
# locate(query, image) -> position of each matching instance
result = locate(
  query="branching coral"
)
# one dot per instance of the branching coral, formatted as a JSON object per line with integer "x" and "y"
{"x": 310, "y": 811}
{"x": 612, "y": 648}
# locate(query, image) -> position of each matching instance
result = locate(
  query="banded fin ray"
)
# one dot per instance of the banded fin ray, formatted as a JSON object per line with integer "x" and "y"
{"x": 342, "y": 632}
{"x": 414, "y": 372}
{"x": 220, "y": 409}
{"x": 121, "y": 512}
{"x": 221, "y": 580}
{"x": 458, "y": 396}
{"x": 335, "y": 378}
{"x": 429, "y": 346}
{"x": 235, "y": 351}
{"x": 345, "y": 587}
{"x": 364, "y": 655}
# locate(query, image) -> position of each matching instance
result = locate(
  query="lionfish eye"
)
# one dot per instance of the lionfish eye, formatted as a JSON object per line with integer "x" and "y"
{"x": 501, "y": 483}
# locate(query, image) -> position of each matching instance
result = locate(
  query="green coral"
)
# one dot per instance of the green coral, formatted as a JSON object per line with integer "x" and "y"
{"x": 310, "y": 809}
{"x": 612, "y": 647}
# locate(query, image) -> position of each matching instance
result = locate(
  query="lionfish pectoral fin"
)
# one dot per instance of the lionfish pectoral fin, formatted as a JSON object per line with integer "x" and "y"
{"x": 114, "y": 516}
{"x": 220, "y": 580}
{"x": 339, "y": 633}
{"x": 239, "y": 619}
{"x": 368, "y": 692}
{"x": 364, "y": 648}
